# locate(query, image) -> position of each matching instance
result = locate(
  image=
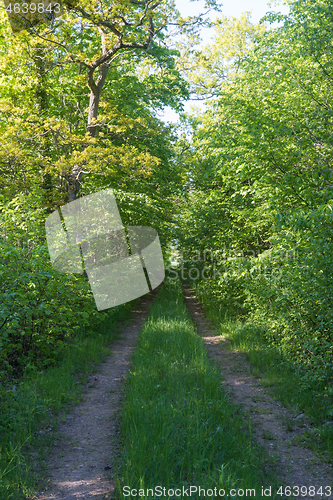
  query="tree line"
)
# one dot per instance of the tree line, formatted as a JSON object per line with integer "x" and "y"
{"x": 259, "y": 179}
{"x": 251, "y": 174}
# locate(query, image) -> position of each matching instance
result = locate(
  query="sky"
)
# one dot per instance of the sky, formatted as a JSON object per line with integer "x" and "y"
{"x": 230, "y": 8}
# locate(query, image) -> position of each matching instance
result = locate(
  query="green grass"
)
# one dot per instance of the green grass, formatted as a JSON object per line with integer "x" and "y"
{"x": 179, "y": 429}
{"x": 294, "y": 387}
{"x": 29, "y": 418}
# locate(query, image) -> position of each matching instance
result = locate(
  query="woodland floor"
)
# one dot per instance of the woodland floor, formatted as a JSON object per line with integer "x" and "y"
{"x": 80, "y": 464}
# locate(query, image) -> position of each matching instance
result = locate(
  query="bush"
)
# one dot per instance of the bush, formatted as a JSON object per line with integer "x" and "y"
{"x": 40, "y": 308}
{"x": 290, "y": 293}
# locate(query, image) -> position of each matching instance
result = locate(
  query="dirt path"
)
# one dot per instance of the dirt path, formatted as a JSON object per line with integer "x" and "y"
{"x": 298, "y": 466}
{"x": 80, "y": 465}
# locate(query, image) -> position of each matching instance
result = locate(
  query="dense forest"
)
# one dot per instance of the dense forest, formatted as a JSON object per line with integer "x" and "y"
{"x": 78, "y": 108}
{"x": 241, "y": 191}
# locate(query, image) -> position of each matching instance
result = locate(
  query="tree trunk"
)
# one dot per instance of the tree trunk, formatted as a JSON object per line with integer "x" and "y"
{"x": 95, "y": 96}
{"x": 42, "y": 102}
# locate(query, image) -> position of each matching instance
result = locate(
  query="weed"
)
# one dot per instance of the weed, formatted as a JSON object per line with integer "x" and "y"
{"x": 268, "y": 435}
{"x": 288, "y": 423}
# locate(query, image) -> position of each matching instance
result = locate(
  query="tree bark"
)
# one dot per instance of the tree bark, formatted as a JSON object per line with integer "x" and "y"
{"x": 95, "y": 96}
{"x": 42, "y": 102}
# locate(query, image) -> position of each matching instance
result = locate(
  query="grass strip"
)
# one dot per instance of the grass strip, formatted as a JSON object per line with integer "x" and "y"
{"x": 28, "y": 411}
{"x": 288, "y": 382}
{"x": 179, "y": 429}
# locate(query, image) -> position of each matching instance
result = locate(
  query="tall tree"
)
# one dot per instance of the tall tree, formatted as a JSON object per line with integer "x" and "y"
{"x": 107, "y": 32}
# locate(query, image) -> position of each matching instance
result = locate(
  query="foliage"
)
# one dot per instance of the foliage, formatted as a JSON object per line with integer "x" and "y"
{"x": 293, "y": 291}
{"x": 48, "y": 81}
{"x": 245, "y": 191}
{"x": 259, "y": 171}
{"x": 41, "y": 309}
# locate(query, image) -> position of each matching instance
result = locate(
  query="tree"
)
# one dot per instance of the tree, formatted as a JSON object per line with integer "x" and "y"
{"x": 96, "y": 36}
{"x": 262, "y": 182}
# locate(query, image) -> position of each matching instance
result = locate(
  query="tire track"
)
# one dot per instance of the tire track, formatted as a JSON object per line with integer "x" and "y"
{"x": 298, "y": 466}
{"x": 81, "y": 464}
